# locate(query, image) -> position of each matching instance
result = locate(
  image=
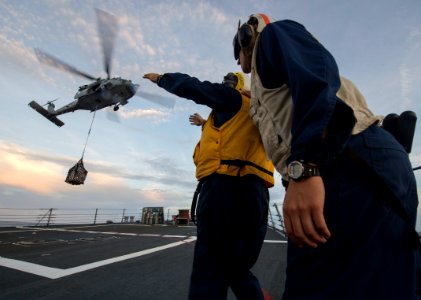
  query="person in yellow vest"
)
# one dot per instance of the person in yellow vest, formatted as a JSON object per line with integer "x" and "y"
{"x": 235, "y": 173}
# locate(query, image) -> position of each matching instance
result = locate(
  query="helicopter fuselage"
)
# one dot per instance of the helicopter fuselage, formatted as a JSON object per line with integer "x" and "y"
{"x": 99, "y": 94}
{"x": 96, "y": 95}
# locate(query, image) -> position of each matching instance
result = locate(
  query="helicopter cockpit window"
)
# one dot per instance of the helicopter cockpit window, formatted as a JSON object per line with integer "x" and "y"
{"x": 95, "y": 86}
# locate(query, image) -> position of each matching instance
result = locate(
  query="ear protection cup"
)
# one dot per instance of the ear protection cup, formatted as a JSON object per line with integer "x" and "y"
{"x": 242, "y": 39}
{"x": 245, "y": 35}
{"x": 240, "y": 86}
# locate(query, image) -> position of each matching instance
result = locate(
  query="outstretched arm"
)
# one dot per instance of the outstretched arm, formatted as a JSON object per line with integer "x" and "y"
{"x": 154, "y": 77}
{"x": 214, "y": 95}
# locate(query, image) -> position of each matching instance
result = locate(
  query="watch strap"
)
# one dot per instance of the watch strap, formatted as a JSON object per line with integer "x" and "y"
{"x": 310, "y": 170}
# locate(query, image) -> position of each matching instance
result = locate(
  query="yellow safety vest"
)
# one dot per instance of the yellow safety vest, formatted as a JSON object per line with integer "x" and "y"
{"x": 234, "y": 149}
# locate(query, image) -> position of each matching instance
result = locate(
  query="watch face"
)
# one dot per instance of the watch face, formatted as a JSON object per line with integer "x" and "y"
{"x": 295, "y": 170}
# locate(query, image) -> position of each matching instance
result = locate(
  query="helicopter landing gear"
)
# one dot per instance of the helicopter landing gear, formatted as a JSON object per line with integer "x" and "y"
{"x": 116, "y": 108}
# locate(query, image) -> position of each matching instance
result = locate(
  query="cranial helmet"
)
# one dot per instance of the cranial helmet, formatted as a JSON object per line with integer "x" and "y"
{"x": 235, "y": 80}
{"x": 246, "y": 32}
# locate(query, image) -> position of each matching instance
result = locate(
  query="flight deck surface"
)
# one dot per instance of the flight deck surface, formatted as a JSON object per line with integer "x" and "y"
{"x": 114, "y": 261}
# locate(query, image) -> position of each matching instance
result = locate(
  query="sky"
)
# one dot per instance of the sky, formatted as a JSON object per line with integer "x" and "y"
{"x": 146, "y": 158}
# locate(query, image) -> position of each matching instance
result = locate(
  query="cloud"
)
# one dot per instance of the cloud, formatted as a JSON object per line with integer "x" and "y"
{"x": 16, "y": 54}
{"x": 18, "y": 170}
{"x": 135, "y": 40}
{"x": 155, "y": 115}
{"x": 416, "y": 160}
{"x": 27, "y": 172}
{"x": 20, "y": 173}
{"x": 410, "y": 68}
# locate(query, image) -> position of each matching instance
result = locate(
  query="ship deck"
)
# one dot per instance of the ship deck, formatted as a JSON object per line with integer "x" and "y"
{"x": 114, "y": 261}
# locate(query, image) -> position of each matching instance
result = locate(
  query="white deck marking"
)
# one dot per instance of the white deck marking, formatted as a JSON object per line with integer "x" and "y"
{"x": 28, "y": 267}
{"x": 54, "y": 273}
{"x": 98, "y": 232}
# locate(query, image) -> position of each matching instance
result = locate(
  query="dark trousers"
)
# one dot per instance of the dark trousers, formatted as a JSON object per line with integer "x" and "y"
{"x": 369, "y": 255}
{"x": 231, "y": 226}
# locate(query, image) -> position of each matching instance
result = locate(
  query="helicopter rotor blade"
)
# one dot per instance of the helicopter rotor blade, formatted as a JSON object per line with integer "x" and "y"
{"x": 55, "y": 62}
{"x": 161, "y": 100}
{"x": 107, "y": 29}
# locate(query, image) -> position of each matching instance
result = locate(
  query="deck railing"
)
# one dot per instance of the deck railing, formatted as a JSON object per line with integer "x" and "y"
{"x": 11, "y": 217}
{"x": 54, "y": 216}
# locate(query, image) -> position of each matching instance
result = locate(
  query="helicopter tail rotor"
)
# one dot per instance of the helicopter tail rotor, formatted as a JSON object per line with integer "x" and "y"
{"x": 50, "y": 102}
{"x": 51, "y": 105}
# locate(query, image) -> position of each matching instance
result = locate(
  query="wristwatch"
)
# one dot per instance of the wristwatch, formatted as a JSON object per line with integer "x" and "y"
{"x": 298, "y": 170}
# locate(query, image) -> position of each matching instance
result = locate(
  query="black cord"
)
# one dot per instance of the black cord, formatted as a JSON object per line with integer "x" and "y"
{"x": 89, "y": 132}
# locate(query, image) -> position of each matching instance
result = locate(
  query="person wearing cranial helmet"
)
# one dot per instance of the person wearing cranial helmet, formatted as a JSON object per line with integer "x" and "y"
{"x": 234, "y": 175}
{"x": 351, "y": 198}
{"x": 246, "y": 35}
{"x": 235, "y": 80}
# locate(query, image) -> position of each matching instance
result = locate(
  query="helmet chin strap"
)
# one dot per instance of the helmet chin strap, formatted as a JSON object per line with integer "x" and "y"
{"x": 248, "y": 51}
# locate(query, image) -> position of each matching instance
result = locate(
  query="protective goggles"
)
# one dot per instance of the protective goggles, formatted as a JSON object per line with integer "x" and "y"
{"x": 230, "y": 80}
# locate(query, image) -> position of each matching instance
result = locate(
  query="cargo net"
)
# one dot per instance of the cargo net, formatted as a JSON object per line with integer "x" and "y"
{"x": 77, "y": 174}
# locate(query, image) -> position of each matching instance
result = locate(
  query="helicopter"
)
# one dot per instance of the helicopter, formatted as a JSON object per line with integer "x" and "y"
{"x": 102, "y": 92}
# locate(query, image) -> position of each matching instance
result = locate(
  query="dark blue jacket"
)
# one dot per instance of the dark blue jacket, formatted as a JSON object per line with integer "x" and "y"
{"x": 288, "y": 54}
{"x": 223, "y": 100}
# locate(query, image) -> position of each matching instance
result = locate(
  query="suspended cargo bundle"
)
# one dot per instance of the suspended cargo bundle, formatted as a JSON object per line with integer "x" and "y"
{"x": 77, "y": 174}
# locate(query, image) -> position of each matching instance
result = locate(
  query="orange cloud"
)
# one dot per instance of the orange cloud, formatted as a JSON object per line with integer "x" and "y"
{"x": 19, "y": 169}
{"x": 41, "y": 174}
{"x": 37, "y": 176}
